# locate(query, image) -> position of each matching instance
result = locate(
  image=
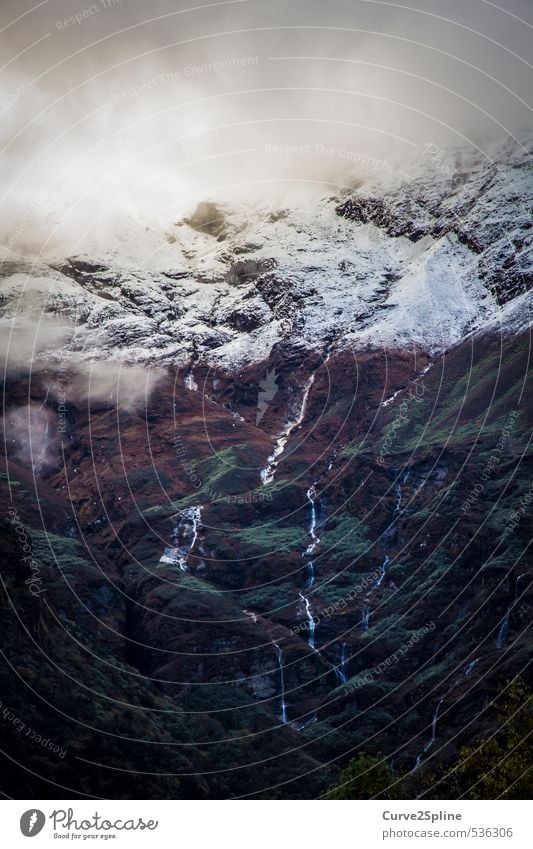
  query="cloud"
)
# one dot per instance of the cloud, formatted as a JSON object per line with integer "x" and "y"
{"x": 128, "y": 387}
{"x": 148, "y": 109}
{"x": 31, "y": 437}
{"x": 27, "y": 342}
{"x": 33, "y": 433}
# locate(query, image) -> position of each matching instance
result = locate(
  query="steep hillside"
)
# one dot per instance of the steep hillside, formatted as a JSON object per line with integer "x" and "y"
{"x": 372, "y": 596}
{"x": 267, "y": 491}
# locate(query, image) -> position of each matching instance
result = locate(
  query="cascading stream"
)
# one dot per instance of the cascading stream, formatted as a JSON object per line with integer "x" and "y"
{"x": 190, "y": 382}
{"x": 398, "y": 490}
{"x": 184, "y": 536}
{"x": 311, "y": 497}
{"x": 470, "y": 667}
{"x": 366, "y": 610}
{"x": 310, "y": 571}
{"x": 299, "y": 726}
{"x": 465, "y": 672}
{"x": 251, "y": 615}
{"x": 398, "y": 498}
{"x": 279, "y": 655}
{"x": 431, "y": 741}
{"x": 386, "y": 560}
{"x": 504, "y": 627}
{"x": 310, "y": 621}
{"x": 267, "y": 474}
{"x": 339, "y": 670}
{"x": 383, "y": 571}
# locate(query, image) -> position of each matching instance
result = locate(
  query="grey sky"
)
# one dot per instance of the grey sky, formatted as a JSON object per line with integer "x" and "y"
{"x": 148, "y": 104}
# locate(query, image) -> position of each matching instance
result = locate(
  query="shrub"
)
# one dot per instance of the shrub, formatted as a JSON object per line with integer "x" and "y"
{"x": 367, "y": 777}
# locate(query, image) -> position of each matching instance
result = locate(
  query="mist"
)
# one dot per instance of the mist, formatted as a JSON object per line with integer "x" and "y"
{"x": 126, "y": 109}
{"x": 34, "y": 433}
{"x": 124, "y": 386}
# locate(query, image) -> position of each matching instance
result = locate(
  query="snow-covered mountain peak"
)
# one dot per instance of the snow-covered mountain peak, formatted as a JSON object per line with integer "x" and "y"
{"x": 420, "y": 261}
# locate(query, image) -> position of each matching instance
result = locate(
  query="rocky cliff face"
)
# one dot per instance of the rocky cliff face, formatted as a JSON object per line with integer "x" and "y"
{"x": 423, "y": 258}
{"x": 305, "y": 533}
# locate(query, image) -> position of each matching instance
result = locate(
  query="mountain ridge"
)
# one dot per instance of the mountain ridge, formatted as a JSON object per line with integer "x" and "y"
{"x": 393, "y": 264}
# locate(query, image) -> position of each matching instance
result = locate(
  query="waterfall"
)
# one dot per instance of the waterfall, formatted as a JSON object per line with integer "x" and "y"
{"x": 310, "y": 621}
{"x": 45, "y": 398}
{"x": 311, "y": 497}
{"x": 383, "y": 571}
{"x": 315, "y": 540}
{"x": 430, "y": 742}
{"x": 391, "y": 398}
{"x": 398, "y": 490}
{"x": 420, "y": 486}
{"x": 385, "y": 541}
{"x": 344, "y": 655}
{"x": 299, "y": 726}
{"x": 504, "y": 627}
{"x": 267, "y": 474}
{"x": 470, "y": 666}
{"x": 334, "y": 457}
{"x": 377, "y": 583}
{"x": 252, "y": 615}
{"x": 190, "y": 382}
{"x": 502, "y": 631}
{"x": 339, "y": 670}
{"x": 184, "y": 536}
{"x": 310, "y": 571}
{"x": 279, "y": 655}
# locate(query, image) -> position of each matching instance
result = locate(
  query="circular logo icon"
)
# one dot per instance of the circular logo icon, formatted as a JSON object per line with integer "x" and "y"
{"x": 32, "y": 822}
